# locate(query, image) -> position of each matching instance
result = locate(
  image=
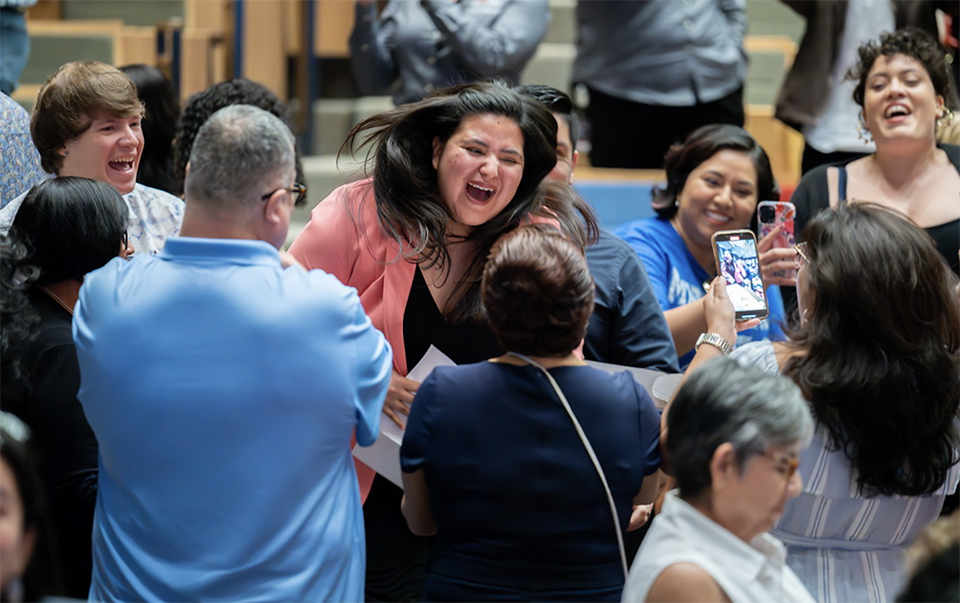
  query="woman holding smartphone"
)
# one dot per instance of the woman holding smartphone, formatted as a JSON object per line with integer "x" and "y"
{"x": 714, "y": 182}
{"x": 879, "y": 365}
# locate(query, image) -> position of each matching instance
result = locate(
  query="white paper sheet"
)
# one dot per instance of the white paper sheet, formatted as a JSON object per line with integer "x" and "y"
{"x": 383, "y": 456}
{"x": 644, "y": 377}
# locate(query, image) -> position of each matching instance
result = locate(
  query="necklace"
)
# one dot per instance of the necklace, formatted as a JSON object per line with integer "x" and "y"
{"x": 57, "y": 299}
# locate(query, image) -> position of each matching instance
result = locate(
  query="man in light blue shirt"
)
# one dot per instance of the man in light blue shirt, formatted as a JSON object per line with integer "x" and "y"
{"x": 224, "y": 385}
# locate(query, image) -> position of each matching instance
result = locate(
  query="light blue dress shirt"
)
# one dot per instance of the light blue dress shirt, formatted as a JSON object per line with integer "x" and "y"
{"x": 224, "y": 391}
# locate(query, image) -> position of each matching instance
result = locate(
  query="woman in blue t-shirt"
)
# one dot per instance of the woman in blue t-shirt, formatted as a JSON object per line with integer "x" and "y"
{"x": 714, "y": 182}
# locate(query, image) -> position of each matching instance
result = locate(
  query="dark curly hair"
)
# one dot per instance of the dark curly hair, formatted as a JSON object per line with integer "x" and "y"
{"x": 409, "y": 207}
{"x": 19, "y": 322}
{"x": 200, "y": 106}
{"x": 879, "y": 347}
{"x": 159, "y": 125}
{"x": 909, "y": 41}
{"x": 701, "y": 145}
{"x": 538, "y": 292}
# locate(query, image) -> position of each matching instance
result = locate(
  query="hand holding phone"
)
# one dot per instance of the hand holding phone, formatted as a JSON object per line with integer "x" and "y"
{"x": 738, "y": 262}
{"x": 770, "y": 215}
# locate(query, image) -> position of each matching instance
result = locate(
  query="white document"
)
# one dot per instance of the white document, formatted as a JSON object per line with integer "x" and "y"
{"x": 644, "y": 377}
{"x": 383, "y": 456}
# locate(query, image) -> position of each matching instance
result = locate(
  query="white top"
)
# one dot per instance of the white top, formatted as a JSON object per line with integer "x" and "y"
{"x": 746, "y": 572}
{"x": 836, "y": 129}
{"x": 154, "y": 216}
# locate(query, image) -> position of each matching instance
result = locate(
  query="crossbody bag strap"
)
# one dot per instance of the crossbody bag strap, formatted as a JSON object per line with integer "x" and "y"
{"x": 591, "y": 454}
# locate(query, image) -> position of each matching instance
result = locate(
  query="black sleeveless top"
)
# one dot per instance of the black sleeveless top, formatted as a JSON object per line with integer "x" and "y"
{"x": 424, "y": 324}
{"x": 946, "y": 235}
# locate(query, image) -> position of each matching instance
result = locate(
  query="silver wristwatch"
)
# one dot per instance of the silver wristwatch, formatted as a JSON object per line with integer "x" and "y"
{"x": 716, "y": 341}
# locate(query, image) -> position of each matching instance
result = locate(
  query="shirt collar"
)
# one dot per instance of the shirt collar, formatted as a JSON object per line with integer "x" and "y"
{"x": 234, "y": 251}
{"x": 741, "y": 557}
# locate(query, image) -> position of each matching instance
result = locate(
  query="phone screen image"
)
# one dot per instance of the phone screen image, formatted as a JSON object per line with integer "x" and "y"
{"x": 739, "y": 264}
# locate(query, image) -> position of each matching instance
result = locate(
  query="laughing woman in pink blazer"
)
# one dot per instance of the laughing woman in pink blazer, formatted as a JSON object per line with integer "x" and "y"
{"x": 449, "y": 175}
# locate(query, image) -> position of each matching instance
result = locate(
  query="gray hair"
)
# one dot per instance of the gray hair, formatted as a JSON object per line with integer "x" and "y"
{"x": 723, "y": 401}
{"x": 237, "y": 154}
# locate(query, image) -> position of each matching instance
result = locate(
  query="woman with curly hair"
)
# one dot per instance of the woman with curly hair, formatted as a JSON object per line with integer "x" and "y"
{"x": 902, "y": 83}
{"x": 200, "y": 106}
{"x": 876, "y": 355}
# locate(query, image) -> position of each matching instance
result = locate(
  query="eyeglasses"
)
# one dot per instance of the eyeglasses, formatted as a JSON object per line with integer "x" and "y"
{"x": 789, "y": 463}
{"x": 298, "y": 189}
{"x": 801, "y": 258}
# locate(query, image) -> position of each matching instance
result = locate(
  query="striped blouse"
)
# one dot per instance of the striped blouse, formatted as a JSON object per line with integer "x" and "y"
{"x": 845, "y": 547}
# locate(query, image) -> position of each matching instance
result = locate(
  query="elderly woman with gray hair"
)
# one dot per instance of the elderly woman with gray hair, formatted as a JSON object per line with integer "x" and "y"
{"x": 733, "y": 438}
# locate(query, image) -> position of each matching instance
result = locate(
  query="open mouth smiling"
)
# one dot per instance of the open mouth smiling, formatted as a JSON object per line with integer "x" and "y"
{"x": 896, "y": 111}
{"x": 479, "y": 193}
{"x": 716, "y": 217}
{"x": 123, "y": 164}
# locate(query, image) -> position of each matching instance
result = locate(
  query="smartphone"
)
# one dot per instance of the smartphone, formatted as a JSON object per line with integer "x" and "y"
{"x": 735, "y": 252}
{"x": 771, "y": 214}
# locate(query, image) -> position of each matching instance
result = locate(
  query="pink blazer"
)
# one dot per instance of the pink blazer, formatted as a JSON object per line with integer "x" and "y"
{"x": 344, "y": 238}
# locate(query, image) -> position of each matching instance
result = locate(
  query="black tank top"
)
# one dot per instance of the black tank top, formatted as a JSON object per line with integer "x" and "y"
{"x": 946, "y": 235}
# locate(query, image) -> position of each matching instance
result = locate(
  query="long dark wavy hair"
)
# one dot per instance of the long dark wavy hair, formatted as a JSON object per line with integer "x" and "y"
{"x": 399, "y": 157}
{"x": 878, "y": 349}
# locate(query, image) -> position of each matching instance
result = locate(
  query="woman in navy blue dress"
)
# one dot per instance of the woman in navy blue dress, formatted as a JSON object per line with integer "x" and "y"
{"x": 493, "y": 464}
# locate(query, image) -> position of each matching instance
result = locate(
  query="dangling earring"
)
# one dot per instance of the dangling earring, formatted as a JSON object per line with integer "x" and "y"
{"x": 863, "y": 133}
{"x": 944, "y": 120}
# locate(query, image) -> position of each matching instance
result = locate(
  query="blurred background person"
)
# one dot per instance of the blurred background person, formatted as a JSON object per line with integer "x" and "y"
{"x": 413, "y": 48}
{"x": 492, "y": 461}
{"x": 449, "y": 175}
{"x": 201, "y": 105}
{"x": 28, "y": 570}
{"x": 656, "y": 71}
{"x": 87, "y": 123}
{"x": 627, "y": 325}
{"x": 162, "y": 109}
{"x": 69, "y": 226}
{"x": 14, "y": 42}
{"x": 21, "y": 164}
{"x": 732, "y": 441}
{"x": 902, "y": 83}
{"x": 815, "y": 98}
{"x": 714, "y": 182}
{"x": 934, "y": 562}
{"x": 879, "y": 365}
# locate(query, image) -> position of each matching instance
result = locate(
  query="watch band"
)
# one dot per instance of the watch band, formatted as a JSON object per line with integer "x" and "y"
{"x": 716, "y": 340}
